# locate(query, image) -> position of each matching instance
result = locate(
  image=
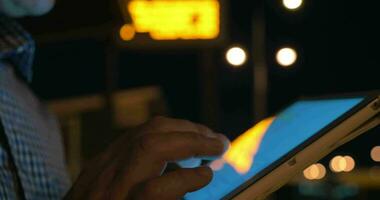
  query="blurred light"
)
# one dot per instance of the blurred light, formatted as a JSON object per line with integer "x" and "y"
{"x": 307, "y": 173}
{"x": 176, "y": 19}
{"x": 342, "y": 164}
{"x": 375, "y": 154}
{"x": 292, "y": 4}
{"x": 286, "y": 56}
{"x": 315, "y": 172}
{"x": 350, "y": 163}
{"x": 236, "y": 56}
{"x": 338, "y": 164}
{"x": 127, "y": 32}
{"x": 322, "y": 171}
{"x": 241, "y": 154}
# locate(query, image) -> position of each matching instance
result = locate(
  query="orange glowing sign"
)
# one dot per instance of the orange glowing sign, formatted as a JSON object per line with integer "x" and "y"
{"x": 242, "y": 152}
{"x": 176, "y": 19}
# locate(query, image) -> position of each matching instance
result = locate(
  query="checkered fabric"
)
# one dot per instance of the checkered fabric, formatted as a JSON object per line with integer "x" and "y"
{"x": 32, "y": 131}
{"x": 16, "y": 46}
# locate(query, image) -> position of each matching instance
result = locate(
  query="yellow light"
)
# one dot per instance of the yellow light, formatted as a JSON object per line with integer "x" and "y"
{"x": 242, "y": 151}
{"x": 342, "y": 164}
{"x": 322, "y": 171}
{"x": 350, "y": 164}
{"x": 286, "y": 56}
{"x": 236, "y": 56}
{"x": 338, "y": 164}
{"x": 311, "y": 172}
{"x": 375, "y": 154}
{"x": 292, "y": 4}
{"x": 127, "y": 32}
{"x": 315, "y": 172}
{"x": 176, "y": 19}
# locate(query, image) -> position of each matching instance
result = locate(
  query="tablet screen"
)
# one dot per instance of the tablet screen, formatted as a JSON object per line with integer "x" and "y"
{"x": 268, "y": 141}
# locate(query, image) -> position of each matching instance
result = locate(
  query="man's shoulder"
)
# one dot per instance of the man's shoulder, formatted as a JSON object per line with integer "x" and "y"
{"x": 16, "y": 46}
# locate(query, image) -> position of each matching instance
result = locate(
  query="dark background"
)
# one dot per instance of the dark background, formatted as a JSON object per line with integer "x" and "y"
{"x": 337, "y": 42}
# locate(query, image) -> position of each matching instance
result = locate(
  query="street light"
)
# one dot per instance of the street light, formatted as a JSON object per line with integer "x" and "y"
{"x": 286, "y": 56}
{"x": 292, "y": 4}
{"x": 375, "y": 154}
{"x": 236, "y": 56}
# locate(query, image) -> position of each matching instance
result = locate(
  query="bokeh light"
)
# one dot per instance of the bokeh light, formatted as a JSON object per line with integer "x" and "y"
{"x": 286, "y": 56}
{"x": 315, "y": 172}
{"x": 338, "y": 164}
{"x": 236, "y": 56}
{"x": 127, "y": 32}
{"x": 292, "y": 4}
{"x": 342, "y": 164}
{"x": 350, "y": 163}
{"x": 375, "y": 154}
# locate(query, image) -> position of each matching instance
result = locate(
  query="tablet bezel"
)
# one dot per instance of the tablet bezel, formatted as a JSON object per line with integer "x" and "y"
{"x": 368, "y": 98}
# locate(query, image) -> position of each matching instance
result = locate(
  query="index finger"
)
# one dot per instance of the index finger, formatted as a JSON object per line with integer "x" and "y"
{"x": 197, "y": 161}
{"x": 180, "y": 145}
{"x": 164, "y": 124}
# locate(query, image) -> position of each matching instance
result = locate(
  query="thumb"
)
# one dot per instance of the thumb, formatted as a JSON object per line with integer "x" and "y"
{"x": 174, "y": 185}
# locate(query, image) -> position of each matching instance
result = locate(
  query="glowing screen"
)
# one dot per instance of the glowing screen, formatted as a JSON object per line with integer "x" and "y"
{"x": 268, "y": 141}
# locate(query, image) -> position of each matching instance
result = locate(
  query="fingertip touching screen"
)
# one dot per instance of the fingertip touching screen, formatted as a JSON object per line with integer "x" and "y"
{"x": 270, "y": 140}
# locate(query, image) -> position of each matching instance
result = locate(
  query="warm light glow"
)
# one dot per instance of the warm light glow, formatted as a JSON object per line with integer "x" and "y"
{"x": 375, "y": 154}
{"x": 315, "y": 172}
{"x": 292, "y": 4}
{"x": 338, "y": 164}
{"x": 127, "y": 32}
{"x": 236, "y": 56}
{"x": 242, "y": 151}
{"x": 311, "y": 172}
{"x": 342, "y": 164}
{"x": 350, "y": 163}
{"x": 176, "y": 19}
{"x": 286, "y": 56}
{"x": 322, "y": 171}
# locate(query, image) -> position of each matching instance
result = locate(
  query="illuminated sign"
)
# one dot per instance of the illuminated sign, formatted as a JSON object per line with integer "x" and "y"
{"x": 173, "y": 19}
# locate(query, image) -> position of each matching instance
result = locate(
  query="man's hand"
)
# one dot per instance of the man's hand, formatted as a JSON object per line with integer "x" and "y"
{"x": 132, "y": 167}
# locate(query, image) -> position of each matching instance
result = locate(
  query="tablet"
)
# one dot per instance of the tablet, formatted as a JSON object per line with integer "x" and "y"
{"x": 269, "y": 154}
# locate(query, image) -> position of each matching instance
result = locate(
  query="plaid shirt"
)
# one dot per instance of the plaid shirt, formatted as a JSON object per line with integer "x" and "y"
{"x": 16, "y": 46}
{"x": 31, "y": 130}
